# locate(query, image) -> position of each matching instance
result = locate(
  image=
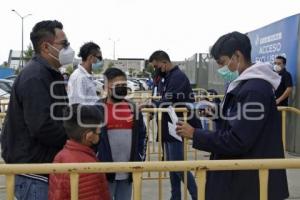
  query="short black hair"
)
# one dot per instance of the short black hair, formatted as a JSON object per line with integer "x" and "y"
{"x": 88, "y": 48}
{"x": 89, "y": 116}
{"x": 282, "y": 58}
{"x": 227, "y": 44}
{"x": 113, "y": 72}
{"x": 159, "y": 56}
{"x": 42, "y": 31}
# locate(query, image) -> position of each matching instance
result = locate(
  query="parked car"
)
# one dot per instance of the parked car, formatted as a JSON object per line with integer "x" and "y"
{"x": 12, "y": 77}
{"x": 133, "y": 86}
{"x": 6, "y": 85}
{"x": 144, "y": 83}
{"x": 4, "y": 94}
{"x": 99, "y": 86}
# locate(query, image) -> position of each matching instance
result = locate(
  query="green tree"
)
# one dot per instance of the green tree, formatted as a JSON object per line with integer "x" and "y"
{"x": 4, "y": 64}
{"x": 70, "y": 69}
{"x": 110, "y": 65}
{"x": 28, "y": 54}
{"x": 148, "y": 69}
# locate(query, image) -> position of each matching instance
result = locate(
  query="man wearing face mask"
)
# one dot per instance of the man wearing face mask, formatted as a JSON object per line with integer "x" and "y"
{"x": 250, "y": 125}
{"x": 81, "y": 88}
{"x": 227, "y": 75}
{"x": 175, "y": 89}
{"x": 33, "y": 130}
{"x": 286, "y": 85}
{"x": 123, "y": 138}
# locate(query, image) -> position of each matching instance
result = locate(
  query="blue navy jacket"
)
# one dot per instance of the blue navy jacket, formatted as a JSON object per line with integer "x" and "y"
{"x": 30, "y": 134}
{"x": 138, "y": 144}
{"x": 175, "y": 89}
{"x": 245, "y": 139}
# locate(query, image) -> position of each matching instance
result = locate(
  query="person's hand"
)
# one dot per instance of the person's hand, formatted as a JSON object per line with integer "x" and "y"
{"x": 185, "y": 130}
{"x": 277, "y": 101}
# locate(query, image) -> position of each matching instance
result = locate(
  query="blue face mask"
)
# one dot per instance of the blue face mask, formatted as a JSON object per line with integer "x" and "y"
{"x": 98, "y": 65}
{"x": 227, "y": 75}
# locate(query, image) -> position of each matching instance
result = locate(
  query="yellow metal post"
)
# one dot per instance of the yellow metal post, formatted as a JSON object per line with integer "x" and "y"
{"x": 201, "y": 181}
{"x": 185, "y": 158}
{"x": 153, "y": 132}
{"x": 10, "y": 186}
{"x": 137, "y": 185}
{"x": 159, "y": 155}
{"x": 148, "y": 135}
{"x": 283, "y": 120}
{"x": 263, "y": 184}
{"x": 74, "y": 181}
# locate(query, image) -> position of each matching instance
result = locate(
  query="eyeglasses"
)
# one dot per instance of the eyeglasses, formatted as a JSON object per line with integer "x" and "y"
{"x": 64, "y": 43}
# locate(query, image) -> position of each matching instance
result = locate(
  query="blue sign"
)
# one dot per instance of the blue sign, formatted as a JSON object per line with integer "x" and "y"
{"x": 278, "y": 38}
{"x": 5, "y": 72}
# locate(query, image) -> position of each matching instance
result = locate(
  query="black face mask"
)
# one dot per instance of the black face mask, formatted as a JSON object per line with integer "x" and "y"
{"x": 158, "y": 72}
{"x": 119, "y": 93}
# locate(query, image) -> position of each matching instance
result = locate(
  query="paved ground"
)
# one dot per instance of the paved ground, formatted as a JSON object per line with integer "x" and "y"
{"x": 150, "y": 187}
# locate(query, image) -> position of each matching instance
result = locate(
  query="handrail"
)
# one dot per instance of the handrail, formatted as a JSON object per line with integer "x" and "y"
{"x": 155, "y": 166}
{"x": 283, "y": 110}
{"x": 201, "y": 168}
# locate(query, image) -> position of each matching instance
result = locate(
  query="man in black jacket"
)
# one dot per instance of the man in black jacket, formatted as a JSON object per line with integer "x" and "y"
{"x": 33, "y": 131}
{"x": 175, "y": 89}
{"x": 286, "y": 85}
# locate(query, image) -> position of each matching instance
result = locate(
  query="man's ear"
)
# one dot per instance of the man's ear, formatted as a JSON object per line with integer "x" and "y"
{"x": 238, "y": 54}
{"x": 45, "y": 47}
{"x": 89, "y": 136}
{"x": 90, "y": 58}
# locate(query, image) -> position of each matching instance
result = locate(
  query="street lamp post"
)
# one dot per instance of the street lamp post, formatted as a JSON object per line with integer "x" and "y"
{"x": 22, "y": 18}
{"x": 114, "y": 49}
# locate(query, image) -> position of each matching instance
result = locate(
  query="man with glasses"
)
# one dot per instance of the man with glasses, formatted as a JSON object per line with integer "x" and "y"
{"x": 81, "y": 88}
{"x": 33, "y": 130}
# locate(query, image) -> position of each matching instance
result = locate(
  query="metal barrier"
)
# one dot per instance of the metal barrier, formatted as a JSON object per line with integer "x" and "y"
{"x": 138, "y": 176}
{"x": 137, "y": 168}
{"x": 2, "y": 117}
{"x": 159, "y": 112}
{"x": 208, "y": 96}
{"x": 4, "y": 104}
{"x": 283, "y": 110}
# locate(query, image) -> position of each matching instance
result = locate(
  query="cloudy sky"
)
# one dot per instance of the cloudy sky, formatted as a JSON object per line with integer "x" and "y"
{"x": 138, "y": 27}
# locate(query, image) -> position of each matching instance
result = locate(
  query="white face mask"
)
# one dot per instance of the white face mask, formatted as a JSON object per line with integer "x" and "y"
{"x": 65, "y": 55}
{"x": 276, "y": 68}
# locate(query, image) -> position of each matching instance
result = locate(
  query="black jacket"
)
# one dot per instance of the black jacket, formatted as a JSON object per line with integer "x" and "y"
{"x": 175, "y": 90}
{"x": 286, "y": 81}
{"x": 242, "y": 138}
{"x": 30, "y": 134}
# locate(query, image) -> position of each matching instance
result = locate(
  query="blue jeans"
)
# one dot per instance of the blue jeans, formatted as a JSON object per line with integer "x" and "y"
{"x": 174, "y": 151}
{"x": 120, "y": 189}
{"x": 30, "y": 189}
